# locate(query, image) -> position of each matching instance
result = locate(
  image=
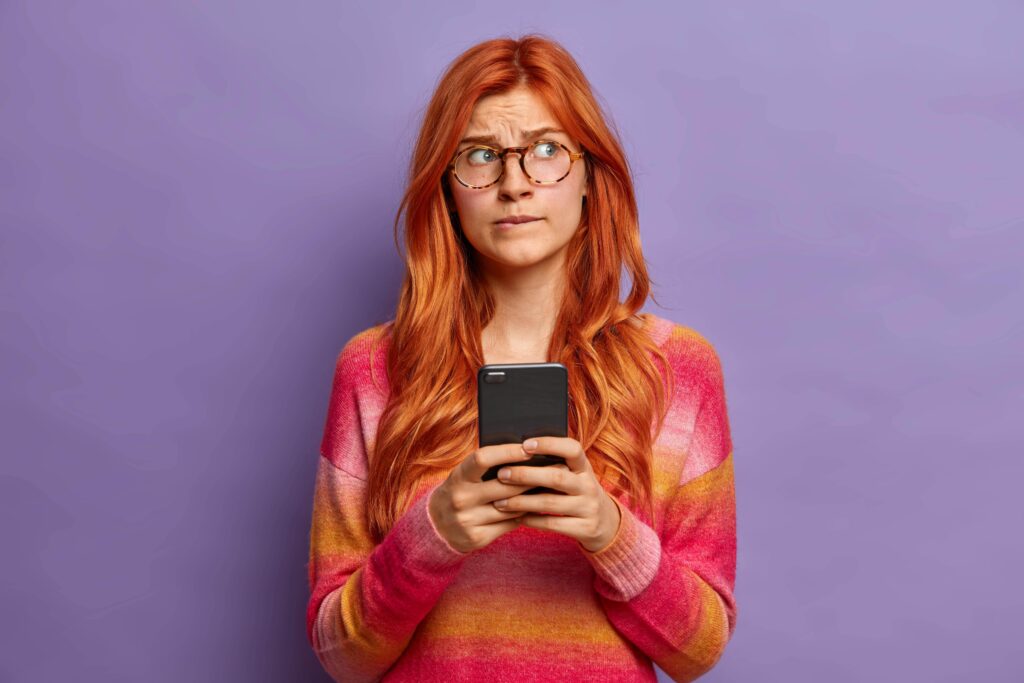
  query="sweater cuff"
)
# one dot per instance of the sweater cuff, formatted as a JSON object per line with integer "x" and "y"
{"x": 628, "y": 564}
{"x": 422, "y": 543}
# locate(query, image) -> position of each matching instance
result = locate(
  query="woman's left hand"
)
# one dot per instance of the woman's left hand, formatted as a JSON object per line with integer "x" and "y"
{"x": 588, "y": 513}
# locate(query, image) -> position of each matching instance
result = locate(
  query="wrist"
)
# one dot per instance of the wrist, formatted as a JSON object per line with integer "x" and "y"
{"x": 611, "y": 519}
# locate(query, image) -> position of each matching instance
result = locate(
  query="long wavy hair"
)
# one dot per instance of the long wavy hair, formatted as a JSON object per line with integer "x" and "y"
{"x": 617, "y": 401}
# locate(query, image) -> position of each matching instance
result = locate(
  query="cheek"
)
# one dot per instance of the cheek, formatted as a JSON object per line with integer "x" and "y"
{"x": 567, "y": 203}
{"x": 470, "y": 203}
{"x": 571, "y": 190}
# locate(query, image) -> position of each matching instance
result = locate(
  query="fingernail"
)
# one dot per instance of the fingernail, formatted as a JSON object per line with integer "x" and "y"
{"x": 501, "y": 503}
{"x": 503, "y": 473}
{"x": 530, "y": 444}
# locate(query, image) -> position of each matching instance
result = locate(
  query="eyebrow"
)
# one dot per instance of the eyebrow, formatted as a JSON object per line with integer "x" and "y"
{"x": 527, "y": 134}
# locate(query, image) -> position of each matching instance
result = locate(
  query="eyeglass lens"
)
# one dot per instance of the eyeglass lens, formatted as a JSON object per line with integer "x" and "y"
{"x": 545, "y": 161}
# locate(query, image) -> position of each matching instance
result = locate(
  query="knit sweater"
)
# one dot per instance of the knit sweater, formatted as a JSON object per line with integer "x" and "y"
{"x": 533, "y": 605}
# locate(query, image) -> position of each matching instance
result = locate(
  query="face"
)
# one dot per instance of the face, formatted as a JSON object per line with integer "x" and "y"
{"x": 558, "y": 206}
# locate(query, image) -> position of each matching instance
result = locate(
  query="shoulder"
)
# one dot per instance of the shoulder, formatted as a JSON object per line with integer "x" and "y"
{"x": 361, "y": 362}
{"x": 698, "y": 402}
{"x": 695, "y": 362}
{"x": 358, "y": 395}
{"x": 683, "y": 343}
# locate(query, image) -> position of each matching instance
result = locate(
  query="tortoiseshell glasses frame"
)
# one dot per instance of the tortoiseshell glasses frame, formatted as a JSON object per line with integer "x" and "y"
{"x": 521, "y": 151}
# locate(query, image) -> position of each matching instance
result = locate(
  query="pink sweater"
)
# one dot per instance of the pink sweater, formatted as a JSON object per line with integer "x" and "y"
{"x": 534, "y": 605}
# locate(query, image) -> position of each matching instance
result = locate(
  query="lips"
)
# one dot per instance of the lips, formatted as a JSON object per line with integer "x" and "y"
{"x": 515, "y": 220}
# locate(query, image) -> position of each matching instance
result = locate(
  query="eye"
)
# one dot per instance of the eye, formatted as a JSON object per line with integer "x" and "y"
{"x": 481, "y": 155}
{"x": 546, "y": 150}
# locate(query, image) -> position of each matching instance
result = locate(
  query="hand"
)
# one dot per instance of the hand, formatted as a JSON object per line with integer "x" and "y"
{"x": 587, "y": 513}
{"x": 460, "y": 506}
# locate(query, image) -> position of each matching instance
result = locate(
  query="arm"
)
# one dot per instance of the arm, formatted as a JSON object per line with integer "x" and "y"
{"x": 672, "y": 596}
{"x": 365, "y": 600}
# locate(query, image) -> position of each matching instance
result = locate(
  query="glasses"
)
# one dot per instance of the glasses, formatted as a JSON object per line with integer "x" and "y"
{"x": 544, "y": 162}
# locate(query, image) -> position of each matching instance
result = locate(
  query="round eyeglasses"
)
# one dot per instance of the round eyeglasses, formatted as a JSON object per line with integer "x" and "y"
{"x": 544, "y": 162}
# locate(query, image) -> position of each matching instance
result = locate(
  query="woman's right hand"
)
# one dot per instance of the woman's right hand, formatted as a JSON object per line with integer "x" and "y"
{"x": 460, "y": 506}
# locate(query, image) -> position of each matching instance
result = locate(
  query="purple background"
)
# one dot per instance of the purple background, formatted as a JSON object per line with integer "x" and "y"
{"x": 196, "y": 208}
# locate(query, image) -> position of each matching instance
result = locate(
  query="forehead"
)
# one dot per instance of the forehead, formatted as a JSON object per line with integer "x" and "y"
{"x": 507, "y": 116}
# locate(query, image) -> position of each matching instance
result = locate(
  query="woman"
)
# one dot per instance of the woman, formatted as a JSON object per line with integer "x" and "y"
{"x": 419, "y": 570}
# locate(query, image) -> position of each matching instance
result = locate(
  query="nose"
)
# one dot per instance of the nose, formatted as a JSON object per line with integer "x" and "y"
{"x": 514, "y": 183}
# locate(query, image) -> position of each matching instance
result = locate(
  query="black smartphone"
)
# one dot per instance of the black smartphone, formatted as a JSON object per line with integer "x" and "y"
{"x": 516, "y": 401}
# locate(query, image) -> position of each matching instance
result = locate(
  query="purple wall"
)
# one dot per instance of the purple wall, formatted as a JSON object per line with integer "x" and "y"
{"x": 196, "y": 206}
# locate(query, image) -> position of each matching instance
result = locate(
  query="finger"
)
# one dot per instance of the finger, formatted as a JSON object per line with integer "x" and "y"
{"x": 492, "y": 531}
{"x": 488, "y": 514}
{"x": 485, "y": 493}
{"x": 554, "y": 477}
{"x": 495, "y": 489}
{"x": 552, "y": 503}
{"x": 564, "y": 447}
{"x": 573, "y": 527}
{"x": 485, "y": 457}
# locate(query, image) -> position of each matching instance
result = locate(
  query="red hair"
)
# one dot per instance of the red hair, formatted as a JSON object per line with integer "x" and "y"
{"x": 617, "y": 400}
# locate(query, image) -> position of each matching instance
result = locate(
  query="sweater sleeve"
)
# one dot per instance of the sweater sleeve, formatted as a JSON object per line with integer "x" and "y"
{"x": 672, "y": 595}
{"x": 366, "y": 600}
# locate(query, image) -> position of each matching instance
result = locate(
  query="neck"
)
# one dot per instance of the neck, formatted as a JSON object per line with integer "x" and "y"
{"x": 527, "y": 301}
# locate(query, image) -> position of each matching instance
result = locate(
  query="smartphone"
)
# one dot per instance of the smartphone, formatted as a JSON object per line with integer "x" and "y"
{"x": 516, "y": 401}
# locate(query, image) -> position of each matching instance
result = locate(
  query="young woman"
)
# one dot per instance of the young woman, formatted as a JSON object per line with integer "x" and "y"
{"x": 519, "y": 217}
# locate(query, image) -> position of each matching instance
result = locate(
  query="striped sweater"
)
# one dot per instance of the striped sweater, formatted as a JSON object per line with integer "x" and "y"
{"x": 534, "y": 605}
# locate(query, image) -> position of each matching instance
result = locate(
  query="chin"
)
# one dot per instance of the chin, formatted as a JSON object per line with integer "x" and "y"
{"x": 524, "y": 260}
